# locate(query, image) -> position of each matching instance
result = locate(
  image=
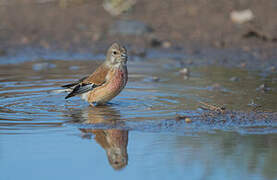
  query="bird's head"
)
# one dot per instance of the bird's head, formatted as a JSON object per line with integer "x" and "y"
{"x": 116, "y": 55}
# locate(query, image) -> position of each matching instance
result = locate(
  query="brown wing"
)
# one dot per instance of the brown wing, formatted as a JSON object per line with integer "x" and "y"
{"x": 88, "y": 83}
{"x": 99, "y": 76}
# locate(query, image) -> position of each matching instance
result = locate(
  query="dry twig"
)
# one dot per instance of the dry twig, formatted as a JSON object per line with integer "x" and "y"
{"x": 210, "y": 107}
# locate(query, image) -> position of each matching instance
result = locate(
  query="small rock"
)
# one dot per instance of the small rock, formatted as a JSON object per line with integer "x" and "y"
{"x": 254, "y": 33}
{"x": 243, "y": 65}
{"x": 24, "y": 40}
{"x": 187, "y": 120}
{"x": 184, "y": 71}
{"x": 234, "y": 79}
{"x": 155, "y": 79}
{"x": 180, "y": 117}
{"x": 263, "y": 88}
{"x": 129, "y": 27}
{"x": 166, "y": 44}
{"x": 152, "y": 79}
{"x": 155, "y": 42}
{"x": 253, "y": 104}
{"x": 241, "y": 17}
{"x": 150, "y": 108}
{"x": 117, "y": 7}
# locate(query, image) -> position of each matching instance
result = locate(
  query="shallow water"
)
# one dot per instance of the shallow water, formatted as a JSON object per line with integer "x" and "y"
{"x": 153, "y": 130}
{"x": 44, "y": 136}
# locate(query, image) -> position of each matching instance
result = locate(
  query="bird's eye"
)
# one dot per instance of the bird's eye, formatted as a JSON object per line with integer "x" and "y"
{"x": 114, "y": 52}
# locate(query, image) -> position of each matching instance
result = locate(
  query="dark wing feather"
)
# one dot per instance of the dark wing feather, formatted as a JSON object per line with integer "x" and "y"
{"x": 80, "y": 89}
{"x": 98, "y": 78}
{"x": 74, "y": 83}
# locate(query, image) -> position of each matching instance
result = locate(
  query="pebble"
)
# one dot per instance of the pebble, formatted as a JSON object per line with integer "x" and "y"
{"x": 118, "y": 7}
{"x": 24, "y": 40}
{"x": 154, "y": 42}
{"x": 152, "y": 79}
{"x": 253, "y": 104}
{"x": 243, "y": 65}
{"x": 166, "y": 44}
{"x": 155, "y": 79}
{"x": 184, "y": 71}
{"x": 188, "y": 120}
{"x": 234, "y": 79}
{"x": 263, "y": 88}
{"x": 180, "y": 117}
{"x": 241, "y": 17}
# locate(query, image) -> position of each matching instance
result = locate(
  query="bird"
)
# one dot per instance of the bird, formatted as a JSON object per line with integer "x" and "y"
{"x": 106, "y": 82}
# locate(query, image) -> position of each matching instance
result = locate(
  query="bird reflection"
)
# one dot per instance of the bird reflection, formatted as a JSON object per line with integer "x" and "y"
{"x": 114, "y": 141}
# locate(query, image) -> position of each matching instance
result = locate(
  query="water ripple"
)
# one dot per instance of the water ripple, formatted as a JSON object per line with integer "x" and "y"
{"x": 27, "y": 104}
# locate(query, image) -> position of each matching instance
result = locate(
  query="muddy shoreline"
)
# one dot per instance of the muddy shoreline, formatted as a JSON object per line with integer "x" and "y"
{"x": 229, "y": 58}
{"x": 252, "y": 122}
{"x": 182, "y": 30}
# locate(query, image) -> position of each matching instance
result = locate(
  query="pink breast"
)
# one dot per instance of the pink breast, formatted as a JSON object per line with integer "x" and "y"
{"x": 118, "y": 81}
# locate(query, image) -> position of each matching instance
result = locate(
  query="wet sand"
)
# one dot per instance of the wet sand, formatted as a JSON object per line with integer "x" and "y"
{"x": 192, "y": 28}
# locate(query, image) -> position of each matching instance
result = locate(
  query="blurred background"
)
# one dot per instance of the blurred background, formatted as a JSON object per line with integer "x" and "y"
{"x": 85, "y": 25}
